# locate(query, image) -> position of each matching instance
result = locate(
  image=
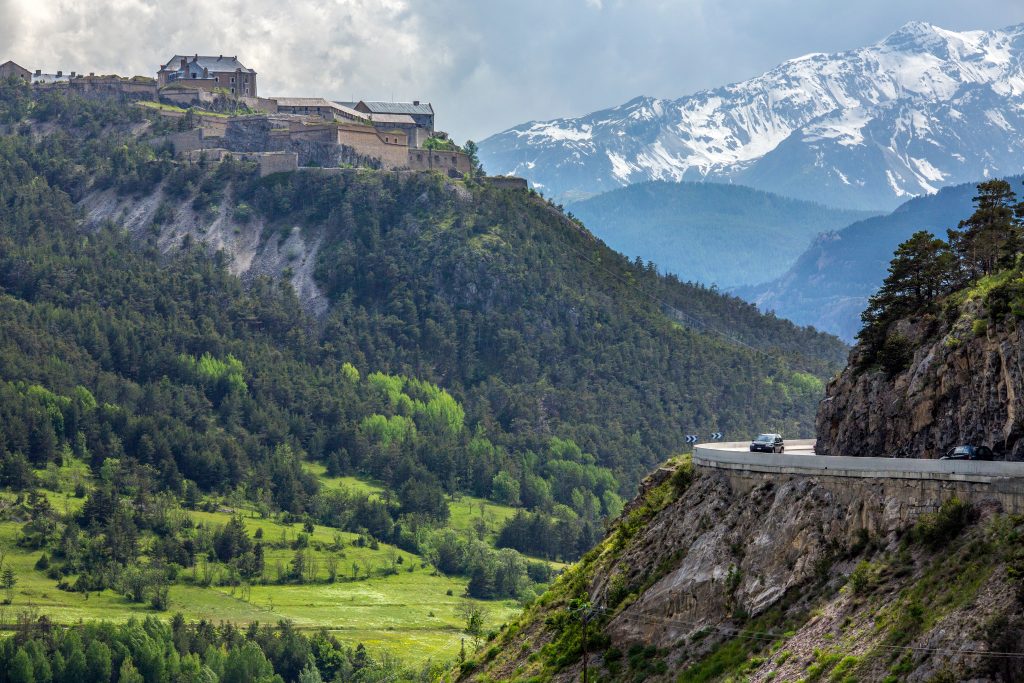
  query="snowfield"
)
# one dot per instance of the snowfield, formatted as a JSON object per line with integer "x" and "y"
{"x": 867, "y": 128}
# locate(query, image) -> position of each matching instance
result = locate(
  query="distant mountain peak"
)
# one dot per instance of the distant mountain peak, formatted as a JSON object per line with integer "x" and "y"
{"x": 867, "y": 128}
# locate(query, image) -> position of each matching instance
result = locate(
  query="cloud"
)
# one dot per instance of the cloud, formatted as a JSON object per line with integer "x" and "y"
{"x": 484, "y": 65}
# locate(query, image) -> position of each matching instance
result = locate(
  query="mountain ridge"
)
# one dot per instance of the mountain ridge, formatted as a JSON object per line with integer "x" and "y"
{"x": 829, "y": 284}
{"x": 713, "y": 233}
{"x": 864, "y": 128}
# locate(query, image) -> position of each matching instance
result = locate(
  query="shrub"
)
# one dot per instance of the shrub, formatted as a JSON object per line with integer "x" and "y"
{"x": 895, "y": 354}
{"x": 936, "y": 529}
{"x": 862, "y": 578}
{"x": 682, "y": 477}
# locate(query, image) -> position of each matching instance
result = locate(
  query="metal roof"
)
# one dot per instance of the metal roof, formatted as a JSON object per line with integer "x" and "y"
{"x": 218, "y": 63}
{"x": 399, "y": 107}
{"x": 308, "y": 102}
{"x": 303, "y": 102}
{"x": 393, "y": 119}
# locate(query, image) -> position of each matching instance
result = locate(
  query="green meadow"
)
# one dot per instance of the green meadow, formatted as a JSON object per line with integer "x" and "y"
{"x": 382, "y": 596}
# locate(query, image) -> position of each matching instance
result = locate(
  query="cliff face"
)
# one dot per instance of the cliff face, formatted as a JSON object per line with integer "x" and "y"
{"x": 714, "y": 575}
{"x": 963, "y": 384}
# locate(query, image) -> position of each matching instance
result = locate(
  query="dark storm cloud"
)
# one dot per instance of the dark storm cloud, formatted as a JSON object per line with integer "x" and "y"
{"x": 485, "y": 64}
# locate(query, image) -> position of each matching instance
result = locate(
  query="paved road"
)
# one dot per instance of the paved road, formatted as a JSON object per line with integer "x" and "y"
{"x": 799, "y": 458}
{"x": 802, "y": 447}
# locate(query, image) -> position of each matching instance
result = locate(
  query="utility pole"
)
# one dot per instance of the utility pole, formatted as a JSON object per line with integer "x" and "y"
{"x": 585, "y": 612}
{"x": 586, "y": 621}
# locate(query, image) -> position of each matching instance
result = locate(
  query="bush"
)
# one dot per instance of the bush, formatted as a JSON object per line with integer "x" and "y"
{"x": 936, "y": 529}
{"x": 895, "y": 354}
{"x": 862, "y": 578}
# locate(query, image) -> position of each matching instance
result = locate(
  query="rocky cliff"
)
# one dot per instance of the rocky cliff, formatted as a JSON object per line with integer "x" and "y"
{"x": 959, "y": 382}
{"x": 711, "y": 575}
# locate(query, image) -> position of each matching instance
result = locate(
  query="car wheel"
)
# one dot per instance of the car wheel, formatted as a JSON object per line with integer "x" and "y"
{"x": 782, "y": 449}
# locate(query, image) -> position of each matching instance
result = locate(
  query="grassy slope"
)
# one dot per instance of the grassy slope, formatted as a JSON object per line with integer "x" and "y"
{"x": 409, "y": 612}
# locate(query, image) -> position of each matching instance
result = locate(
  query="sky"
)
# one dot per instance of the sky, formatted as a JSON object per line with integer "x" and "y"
{"x": 486, "y": 65}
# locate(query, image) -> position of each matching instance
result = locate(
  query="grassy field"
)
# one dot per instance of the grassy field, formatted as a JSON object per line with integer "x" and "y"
{"x": 391, "y": 599}
{"x": 466, "y": 511}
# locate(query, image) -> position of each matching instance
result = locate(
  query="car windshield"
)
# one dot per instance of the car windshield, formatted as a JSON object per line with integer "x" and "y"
{"x": 765, "y": 438}
{"x": 962, "y": 450}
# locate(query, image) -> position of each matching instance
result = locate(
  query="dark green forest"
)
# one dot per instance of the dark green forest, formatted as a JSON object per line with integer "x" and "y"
{"x": 477, "y": 341}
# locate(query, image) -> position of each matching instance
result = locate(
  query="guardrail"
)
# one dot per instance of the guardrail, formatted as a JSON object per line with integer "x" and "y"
{"x": 736, "y": 456}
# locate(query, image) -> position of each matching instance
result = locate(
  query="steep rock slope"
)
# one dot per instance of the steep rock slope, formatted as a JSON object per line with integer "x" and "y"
{"x": 830, "y": 283}
{"x": 868, "y": 128}
{"x": 964, "y": 383}
{"x": 709, "y": 577}
{"x": 712, "y": 233}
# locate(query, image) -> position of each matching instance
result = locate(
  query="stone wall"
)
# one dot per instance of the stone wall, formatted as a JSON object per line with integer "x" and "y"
{"x": 507, "y": 182}
{"x": 455, "y": 163}
{"x": 186, "y": 97}
{"x": 914, "y": 483}
{"x": 113, "y": 86}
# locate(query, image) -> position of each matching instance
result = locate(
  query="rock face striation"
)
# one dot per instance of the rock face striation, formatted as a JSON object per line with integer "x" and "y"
{"x": 789, "y": 575}
{"x": 964, "y": 384}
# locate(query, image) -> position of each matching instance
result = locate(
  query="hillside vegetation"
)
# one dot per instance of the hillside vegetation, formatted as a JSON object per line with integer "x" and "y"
{"x": 476, "y": 345}
{"x": 713, "y": 233}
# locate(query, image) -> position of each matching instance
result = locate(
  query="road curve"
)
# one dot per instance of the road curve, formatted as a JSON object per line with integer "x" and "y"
{"x": 799, "y": 458}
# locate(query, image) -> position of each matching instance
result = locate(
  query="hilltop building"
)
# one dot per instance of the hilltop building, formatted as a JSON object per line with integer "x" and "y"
{"x": 422, "y": 114}
{"x": 318, "y": 106}
{"x": 209, "y": 73}
{"x": 9, "y": 69}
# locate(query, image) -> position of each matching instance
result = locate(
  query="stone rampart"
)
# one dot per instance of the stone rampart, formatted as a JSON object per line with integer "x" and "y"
{"x": 507, "y": 182}
{"x": 454, "y": 163}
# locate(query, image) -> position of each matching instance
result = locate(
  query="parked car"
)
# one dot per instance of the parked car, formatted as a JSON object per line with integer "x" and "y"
{"x": 768, "y": 443}
{"x": 968, "y": 452}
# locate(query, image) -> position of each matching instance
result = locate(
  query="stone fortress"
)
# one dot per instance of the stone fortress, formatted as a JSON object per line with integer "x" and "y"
{"x": 206, "y": 93}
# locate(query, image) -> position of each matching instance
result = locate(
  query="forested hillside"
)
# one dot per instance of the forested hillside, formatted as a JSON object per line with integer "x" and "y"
{"x": 714, "y": 233}
{"x": 829, "y": 284}
{"x": 476, "y": 342}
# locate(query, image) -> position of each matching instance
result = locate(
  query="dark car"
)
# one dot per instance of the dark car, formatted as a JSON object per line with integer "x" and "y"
{"x": 768, "y": 443}
{"x": 968, "y": 453}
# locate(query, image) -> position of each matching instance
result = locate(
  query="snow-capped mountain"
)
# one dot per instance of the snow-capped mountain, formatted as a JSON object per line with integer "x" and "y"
{"x": 868, "y": 128}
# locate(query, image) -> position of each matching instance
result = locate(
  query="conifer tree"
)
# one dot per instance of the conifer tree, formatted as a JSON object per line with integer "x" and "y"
{"x": 991, "y": 238}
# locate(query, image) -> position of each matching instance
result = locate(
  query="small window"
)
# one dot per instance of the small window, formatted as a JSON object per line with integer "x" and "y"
{"x": 232, "y": 79}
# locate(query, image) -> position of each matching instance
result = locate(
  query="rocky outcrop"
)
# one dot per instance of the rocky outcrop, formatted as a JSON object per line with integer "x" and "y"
{"x": 760, "y": 566}
{"x": 248, "y": 248}
{"x": 963, "y": 384}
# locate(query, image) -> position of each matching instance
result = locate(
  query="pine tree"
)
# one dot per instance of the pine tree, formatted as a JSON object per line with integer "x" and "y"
{"x": 991, "y": 238}
{"x": 8, "y": 580}
{"x": 923, "y": 268}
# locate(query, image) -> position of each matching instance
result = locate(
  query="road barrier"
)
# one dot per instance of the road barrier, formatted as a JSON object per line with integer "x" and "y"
{"x": 736, "y": 456}
{"x": 916, "y": 482}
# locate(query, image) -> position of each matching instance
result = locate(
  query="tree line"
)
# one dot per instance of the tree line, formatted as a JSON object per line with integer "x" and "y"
{"x": 925, "y": 269}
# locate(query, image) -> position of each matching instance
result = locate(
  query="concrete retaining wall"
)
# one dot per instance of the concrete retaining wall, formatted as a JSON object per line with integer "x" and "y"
{"x": 921, "y": 482}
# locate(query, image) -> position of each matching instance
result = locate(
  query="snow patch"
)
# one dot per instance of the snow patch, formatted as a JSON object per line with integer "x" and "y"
{"x": 620, "y": 167}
